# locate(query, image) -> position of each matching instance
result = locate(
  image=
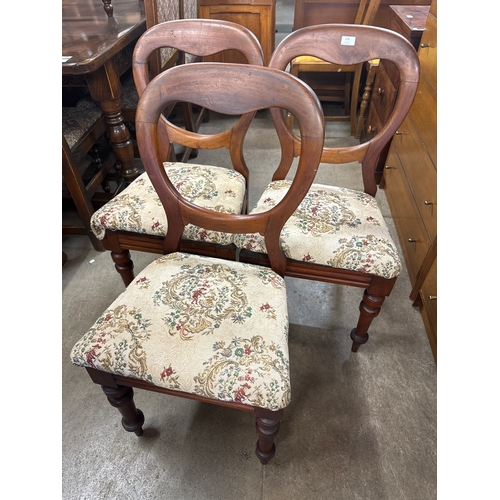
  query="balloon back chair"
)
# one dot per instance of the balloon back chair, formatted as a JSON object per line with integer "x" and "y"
{"x": 135, "y": 219}
{"x": 339, "y": 235}
{"x": 195, "y": 326}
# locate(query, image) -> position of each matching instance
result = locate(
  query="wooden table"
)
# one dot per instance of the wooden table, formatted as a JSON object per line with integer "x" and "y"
{"x": 91, "y": 44}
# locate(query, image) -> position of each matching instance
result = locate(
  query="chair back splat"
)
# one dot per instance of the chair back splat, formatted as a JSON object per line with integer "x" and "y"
{"x": 338, "y": 234}
{"x": 200, "y": 327}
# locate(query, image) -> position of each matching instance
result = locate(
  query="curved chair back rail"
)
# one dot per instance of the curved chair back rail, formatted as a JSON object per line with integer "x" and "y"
{"x": 326, "y": 42}
{"x": 231, "y": 89}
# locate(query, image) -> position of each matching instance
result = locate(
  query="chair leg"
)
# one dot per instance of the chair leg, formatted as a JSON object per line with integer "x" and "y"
{"x": 369, "y": 308}
{"x": 124, "y": 265}
{"x": 267, "y": 423}
{"x": 123, "y": 399}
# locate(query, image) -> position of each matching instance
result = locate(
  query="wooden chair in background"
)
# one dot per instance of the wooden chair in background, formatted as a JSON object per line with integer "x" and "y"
{"x": 198, "y": 327}
{"x": 89, "y": 175}
{"x": 135, "y": 220}
{"x": 334, "y": 82}
{"x": 339, "y": 235}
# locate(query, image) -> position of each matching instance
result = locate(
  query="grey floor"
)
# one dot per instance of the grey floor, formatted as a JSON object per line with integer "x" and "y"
{"x": 360, "y": 426}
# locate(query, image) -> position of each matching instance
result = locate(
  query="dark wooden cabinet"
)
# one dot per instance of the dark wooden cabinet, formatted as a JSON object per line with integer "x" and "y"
{"x": 409, "y": 21}
{"x": 259, "y": 16}
{"x": 410, "y": 182}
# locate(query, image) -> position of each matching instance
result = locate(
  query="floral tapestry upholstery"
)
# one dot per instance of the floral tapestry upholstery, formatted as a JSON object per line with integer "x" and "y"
{"x": 78, "y": 120}
{"x": 209, "y": 327}
{"x": 138, "y": 208}
{"x": 129, "y": 96}
{"x": 334, "y": 227}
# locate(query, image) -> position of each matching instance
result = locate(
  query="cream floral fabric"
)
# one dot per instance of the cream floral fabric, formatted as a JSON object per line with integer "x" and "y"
{"x": 138, "y": 208}
{"x": 334, "y": 227}
{"x": 214, "y": 328}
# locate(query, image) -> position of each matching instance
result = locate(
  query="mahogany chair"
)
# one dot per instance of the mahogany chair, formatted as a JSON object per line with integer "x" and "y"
{"x": 199, "y": 327}
{"x": 307, "y": 65}
{"x": 339, "y": 235}
{"x": 135, "y": 219}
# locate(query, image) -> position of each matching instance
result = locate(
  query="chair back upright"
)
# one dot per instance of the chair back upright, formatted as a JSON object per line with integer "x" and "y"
{"x": 231, "y": 89}
{"x": 348, "y": 44}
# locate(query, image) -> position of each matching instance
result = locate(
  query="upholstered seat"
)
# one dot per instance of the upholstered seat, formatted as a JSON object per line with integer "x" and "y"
{"x": 79, "y": 119}
{"x": 138, "y": 208}
{"x": 213, "y": 328}
{"x": 332, "y": 226}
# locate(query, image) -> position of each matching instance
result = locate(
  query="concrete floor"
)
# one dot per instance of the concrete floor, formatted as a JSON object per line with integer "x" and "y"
{"x": 360, "y": 426}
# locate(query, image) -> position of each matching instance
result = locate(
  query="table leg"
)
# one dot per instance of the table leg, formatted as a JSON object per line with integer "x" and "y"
{"x": 105, "y": 87}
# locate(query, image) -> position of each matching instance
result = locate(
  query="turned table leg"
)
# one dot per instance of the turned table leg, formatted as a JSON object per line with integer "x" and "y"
{"x": 105, "y": 87}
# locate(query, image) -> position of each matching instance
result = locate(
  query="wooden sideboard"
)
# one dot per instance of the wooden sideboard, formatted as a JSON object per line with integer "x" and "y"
{"x": 410, "y": 182}
{"x": 259, "y": 16}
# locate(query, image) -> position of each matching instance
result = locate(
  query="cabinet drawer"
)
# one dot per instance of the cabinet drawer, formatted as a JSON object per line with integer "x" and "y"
{"x": 410, "y": 228}
{"x": 428, "y": 296}
{"x": 424, "y": 116}
{"x": 383, "y": 94}
{"x": 427, "y": 52}
{"x": 420, "y": 172}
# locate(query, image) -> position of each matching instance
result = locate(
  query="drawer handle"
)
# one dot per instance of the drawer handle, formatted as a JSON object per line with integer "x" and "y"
{"x": 424, "y": 45}
{"x": 388, "y": 167}
{"x": 427, "y": 202}
{"x": 371, "y": 129}
{"x": 398, "y": 132}
{"x": 432, "y": 297}
{"x": 381, "y": 91}
{"x": 411, "y": 240}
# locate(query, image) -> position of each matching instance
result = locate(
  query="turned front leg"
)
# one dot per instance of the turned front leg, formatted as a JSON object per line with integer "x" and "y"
{"x": 267, "y": 423}
{"x": 122, "y": 398}
{"x": 369, "y": 309}
{"x": 124, "y": 265}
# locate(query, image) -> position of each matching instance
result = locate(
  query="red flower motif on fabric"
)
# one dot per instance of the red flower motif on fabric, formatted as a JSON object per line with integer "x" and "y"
{"x": 166, "y": 373}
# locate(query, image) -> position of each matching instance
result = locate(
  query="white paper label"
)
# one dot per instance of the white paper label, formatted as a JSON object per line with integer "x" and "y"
{"x": 348, "y": 40}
